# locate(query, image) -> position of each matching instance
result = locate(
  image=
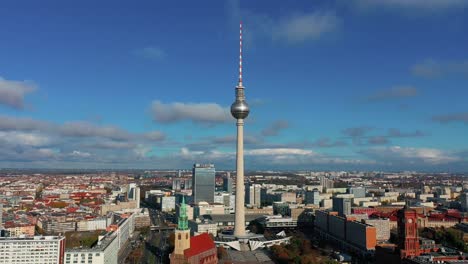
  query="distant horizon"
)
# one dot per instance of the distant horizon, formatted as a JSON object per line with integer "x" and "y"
{"x": 331, "y": 84}
{"x": 231, "y": 170}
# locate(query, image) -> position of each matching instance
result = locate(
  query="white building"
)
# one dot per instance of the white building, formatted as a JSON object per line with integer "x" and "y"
{"x": 37, "y": 250}
{"x": 105, "y": 252}
{"x": 92, "y": 224}
{"x": 203, "y": 226}
{"x": 277, "y": 221}
{"x": 168, "y": 203}
{"x": 133, "y": 193}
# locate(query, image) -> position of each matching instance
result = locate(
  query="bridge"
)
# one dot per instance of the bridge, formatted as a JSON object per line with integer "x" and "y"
{"x": 161, "y": 228}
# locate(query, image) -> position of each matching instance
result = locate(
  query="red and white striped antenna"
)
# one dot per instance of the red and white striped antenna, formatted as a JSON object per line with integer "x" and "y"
{"x": 240, "y": 55}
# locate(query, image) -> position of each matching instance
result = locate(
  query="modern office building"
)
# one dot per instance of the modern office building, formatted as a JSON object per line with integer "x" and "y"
{"x": 227, "y": 183}
{"x": 37, "y": 250}
{"x": 203, "y": 183}
{"x": 342, "y": 205}
{"x": 176, "y": 184}
{"x": 253, "y": 194}
{"x": 312, "y": 197}
{"x": 133, "y": 193}
{"x": 325, "y": 182}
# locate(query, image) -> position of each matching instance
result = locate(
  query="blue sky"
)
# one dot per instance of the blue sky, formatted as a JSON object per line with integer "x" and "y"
{"x": 356, "y": 84}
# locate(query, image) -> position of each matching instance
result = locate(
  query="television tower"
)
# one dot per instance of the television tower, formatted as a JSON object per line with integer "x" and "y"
{"x": 240, "y": 111}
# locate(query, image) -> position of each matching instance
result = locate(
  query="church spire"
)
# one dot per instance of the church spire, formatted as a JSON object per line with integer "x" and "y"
{"x": 183, "y": 219}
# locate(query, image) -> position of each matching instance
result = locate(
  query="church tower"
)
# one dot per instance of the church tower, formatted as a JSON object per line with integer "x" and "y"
{"x": 182, "y": 235}
{"x": 408, "y": 232}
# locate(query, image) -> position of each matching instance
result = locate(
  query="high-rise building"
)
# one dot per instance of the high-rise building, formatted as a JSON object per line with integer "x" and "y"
{"x": 325, "y": 182}
{"x": 240, "y": 111}
{"x": 133, "y": 193}
{"x": 38, "y": 249}
{"x": 253, "y": 194}
{"x": 187, "y": 184}
{"x": 203, "y": 183}
{"x": 176, "y": 184}
{"x": 227, "y": 183}
{"x": 312, "y": 197}
{"x": 342, "y": 205}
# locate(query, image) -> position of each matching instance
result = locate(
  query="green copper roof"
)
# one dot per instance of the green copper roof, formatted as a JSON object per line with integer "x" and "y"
{"x": 183, "y": 219}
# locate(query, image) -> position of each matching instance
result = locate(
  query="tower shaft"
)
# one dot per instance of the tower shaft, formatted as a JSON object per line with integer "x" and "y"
{"x": 239, "y": 229}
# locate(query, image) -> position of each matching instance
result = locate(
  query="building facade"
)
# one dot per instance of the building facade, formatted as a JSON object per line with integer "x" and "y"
{"x": 203, "y": 183}
{"x": 312, "y": 197}
{"x": 342, "y": 205}
{"x": 104, "y": 252}
{"x": 37, "y": 250}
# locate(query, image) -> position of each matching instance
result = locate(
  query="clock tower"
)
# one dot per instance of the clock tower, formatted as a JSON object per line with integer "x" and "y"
{"x": 408, "y": 232}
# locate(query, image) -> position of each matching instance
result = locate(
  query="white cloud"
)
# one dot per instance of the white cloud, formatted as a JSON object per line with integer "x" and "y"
{"x": 396, "y": 92}
{"x": 153, "y": 53}
{"x": 24, "y": 139}
{"x": 452, "y": 118}
{"x": 185, "y": 152}
{"x": 430, "y": 68}
{"x": 154, "y": 136}
{"x": 23, "y": 124}
{"x": 410, "y": 155}
{"x": 195, "y": 112}
{"x": 80, "y": 154}
{"x": 307, "y": 26}
{"x": 278, "y": 151}
{"x": 275, "y": 128}
{"x": 294, "y": 28}
{"x": 141, "y": 150}
{"x": 435, "y": 5}
{"x": 12, "y": 93}
{"x": 86, "y": 129}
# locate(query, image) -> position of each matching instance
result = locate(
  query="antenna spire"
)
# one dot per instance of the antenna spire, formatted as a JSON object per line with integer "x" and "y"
{"x": 240, "y": 55}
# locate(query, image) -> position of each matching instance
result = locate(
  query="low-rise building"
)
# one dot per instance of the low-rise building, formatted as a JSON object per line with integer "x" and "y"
{"x": 104, "y": 252}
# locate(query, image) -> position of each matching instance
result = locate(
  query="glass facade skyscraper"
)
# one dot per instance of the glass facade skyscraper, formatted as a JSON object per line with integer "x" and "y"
{"x": 203, "y": 183}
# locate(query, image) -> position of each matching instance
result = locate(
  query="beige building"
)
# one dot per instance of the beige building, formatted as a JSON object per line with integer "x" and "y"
{"x": 105, "y": 208}
{"x": 382, "y": 226}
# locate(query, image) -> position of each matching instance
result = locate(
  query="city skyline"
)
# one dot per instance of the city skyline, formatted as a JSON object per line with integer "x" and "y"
{"x": 361, "y": 85}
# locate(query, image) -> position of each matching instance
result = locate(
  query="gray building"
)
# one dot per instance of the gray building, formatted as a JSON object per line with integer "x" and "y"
{"x": 464, "y": 201}
{"x": 312, "y": 197}
{"x": 253, "y": 194}
{"x": 176, "y": 184}
{"x": 342, "y": 205}
{"x": 227, "y": 183}
{"x": 359, "y": 192}
{"x": 203, "y": 183}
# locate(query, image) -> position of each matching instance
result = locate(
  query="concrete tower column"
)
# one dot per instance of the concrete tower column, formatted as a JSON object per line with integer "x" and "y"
{"x": 239, "y": 229}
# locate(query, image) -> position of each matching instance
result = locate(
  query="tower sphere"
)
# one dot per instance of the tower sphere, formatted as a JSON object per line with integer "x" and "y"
{"x": 240, "y": 109}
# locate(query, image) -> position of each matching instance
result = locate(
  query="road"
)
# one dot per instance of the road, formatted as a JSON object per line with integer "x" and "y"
{"x": 156, "y": 245}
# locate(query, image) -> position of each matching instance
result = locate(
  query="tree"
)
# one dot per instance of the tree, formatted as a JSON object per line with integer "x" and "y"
{"x": 222, "y": 253}
{"x": 172, "y": 239}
